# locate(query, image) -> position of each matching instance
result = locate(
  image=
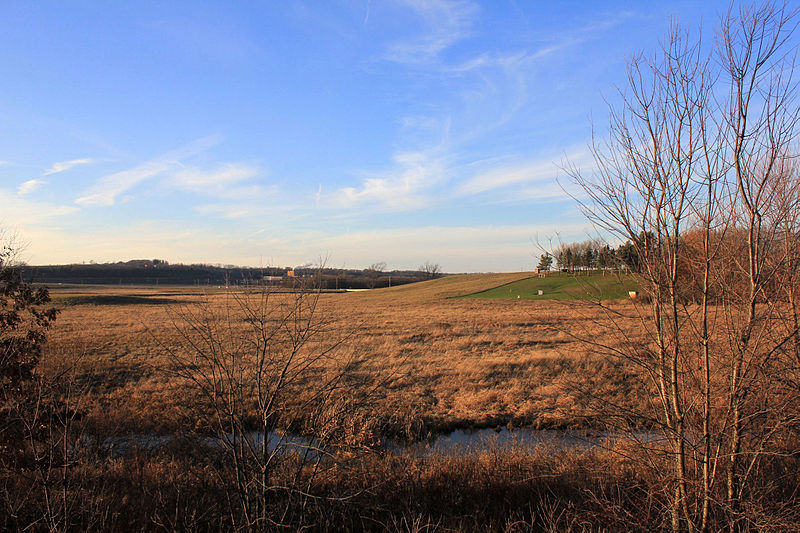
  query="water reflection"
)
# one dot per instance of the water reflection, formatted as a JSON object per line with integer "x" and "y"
{"x": 459, "y": 441}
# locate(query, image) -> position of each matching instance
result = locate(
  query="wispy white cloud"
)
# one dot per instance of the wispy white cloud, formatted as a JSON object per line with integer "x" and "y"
{"x": 580, "y": 35}
{"x": 195, "y": 178}
{"x": 30, "y": 186}
{"x": 547, "y": 191}
{"x": 366, "y": 14}
{"x": 402, "y": 189}
{"x": 449, "y": 22}
{"x": 61, "y": 166}
{"x": 446, "y": 22}
{"x": 511, "y": 61}
{"x": 492, "y": 91}
{"x": 503, "y": 177}
{"x": 107, "y": 188}
{"x": 224, "y": 181}
{"x": 541, "y": 172}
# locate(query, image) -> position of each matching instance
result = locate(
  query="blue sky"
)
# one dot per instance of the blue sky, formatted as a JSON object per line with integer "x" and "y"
{"x": 276, "y": 133}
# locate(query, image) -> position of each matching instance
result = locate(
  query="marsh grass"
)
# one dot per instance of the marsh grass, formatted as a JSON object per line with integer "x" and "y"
{"x": 446, "y": 363}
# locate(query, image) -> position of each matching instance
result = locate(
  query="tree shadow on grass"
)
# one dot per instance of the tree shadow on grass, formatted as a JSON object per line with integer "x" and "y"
{"x": 114, "y": 300}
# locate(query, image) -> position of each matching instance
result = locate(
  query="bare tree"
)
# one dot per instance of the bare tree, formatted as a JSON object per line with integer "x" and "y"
{"x": 690, "y": 175}
{"x": 430, "y": 270}
{"x": 276, "y": 389}
{"x": 373, "y": 273}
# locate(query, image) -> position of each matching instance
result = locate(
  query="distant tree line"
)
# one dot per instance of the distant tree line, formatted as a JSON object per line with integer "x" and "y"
{"x": 159, "y": 271}
{"x": 595, "y": 254}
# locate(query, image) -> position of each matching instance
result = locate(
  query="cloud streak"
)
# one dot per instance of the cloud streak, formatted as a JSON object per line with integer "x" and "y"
{"x": 221, "y": 182}
{"x": 105, "y": 191}
{"x": 62, "y": 166}
{"x": 448, "y": 22}
{"x": 30, "y": 186}
{"x": 403, "y": 189}
{"x": 538, "y": 176}
{"x": 504, "y": 177}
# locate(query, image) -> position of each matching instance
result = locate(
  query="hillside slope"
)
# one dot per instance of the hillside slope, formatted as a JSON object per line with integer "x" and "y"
{"x": 563, "y": 286}
{"x": 442, "y": 288}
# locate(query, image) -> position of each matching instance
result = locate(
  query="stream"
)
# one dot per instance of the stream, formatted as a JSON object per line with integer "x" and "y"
{"x": 460, "y": 441}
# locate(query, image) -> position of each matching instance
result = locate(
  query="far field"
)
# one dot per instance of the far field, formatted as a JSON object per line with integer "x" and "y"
{"x": 439, "y": 360}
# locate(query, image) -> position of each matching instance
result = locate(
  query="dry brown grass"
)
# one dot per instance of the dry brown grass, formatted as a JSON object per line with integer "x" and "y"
{"x": 442, "y": 288}
{"x": 178, "y": 488}
{"x": 441, "y": 363}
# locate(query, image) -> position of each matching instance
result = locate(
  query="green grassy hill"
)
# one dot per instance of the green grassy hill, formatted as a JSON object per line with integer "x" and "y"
{"x": 443, "y": 288}
{"x": 562, "y": 286}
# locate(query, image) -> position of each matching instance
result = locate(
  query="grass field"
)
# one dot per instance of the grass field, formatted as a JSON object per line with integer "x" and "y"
{"x": 562, "y": 286}
{"x": 446, "y": 362}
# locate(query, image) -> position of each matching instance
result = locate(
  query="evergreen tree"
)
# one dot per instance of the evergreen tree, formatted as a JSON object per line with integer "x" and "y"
{"x": 545, "y": 262}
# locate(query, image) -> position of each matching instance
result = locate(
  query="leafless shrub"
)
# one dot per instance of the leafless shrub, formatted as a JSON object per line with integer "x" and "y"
{"x": 271, "y": 373}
